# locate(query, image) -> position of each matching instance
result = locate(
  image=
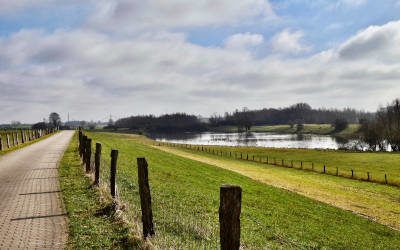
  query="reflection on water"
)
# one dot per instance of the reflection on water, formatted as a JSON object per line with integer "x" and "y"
{"x": 257, "y": 139}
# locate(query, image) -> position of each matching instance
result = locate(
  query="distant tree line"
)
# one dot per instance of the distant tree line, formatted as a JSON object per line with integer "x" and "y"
{"x": 244, "y": 119}
{"x": 299, "y": 113}
{"x": 179, "y": 122}
{"x": 383, "y": 129}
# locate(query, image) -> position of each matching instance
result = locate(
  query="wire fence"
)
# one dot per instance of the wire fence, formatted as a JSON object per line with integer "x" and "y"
{"x": 381, "y": 178}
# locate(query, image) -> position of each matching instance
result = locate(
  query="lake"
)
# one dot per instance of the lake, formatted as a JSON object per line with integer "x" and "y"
{"x": 272, "y": 140}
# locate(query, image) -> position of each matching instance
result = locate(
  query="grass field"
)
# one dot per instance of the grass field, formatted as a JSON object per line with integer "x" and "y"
{"x": 91, "y": 223}
{"x": 321, "y": 129}
{"x": 376, "y": 163}
{"x": 185, "y": 195}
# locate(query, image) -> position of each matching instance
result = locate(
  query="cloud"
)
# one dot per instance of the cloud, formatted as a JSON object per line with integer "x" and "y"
{"x": 128, "y": 16}
{"x": 243, "y": 40}
{"x": 376, "y": 42}
{"x": 289, "y": 42}
{"x": 91, "y": 73}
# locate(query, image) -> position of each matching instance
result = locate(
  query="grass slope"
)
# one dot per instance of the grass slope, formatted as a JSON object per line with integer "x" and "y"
{"x": 376, "y": 201}
{"x": 377, "y": 163}
{"x": 91, "y": 224}
{"x": 185, "y": 197}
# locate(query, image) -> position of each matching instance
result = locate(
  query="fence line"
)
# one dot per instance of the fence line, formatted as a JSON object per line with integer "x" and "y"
{"x": 230, "y": 196}
{"x": 349, "y": 174}
{"x": 14, "y": 138}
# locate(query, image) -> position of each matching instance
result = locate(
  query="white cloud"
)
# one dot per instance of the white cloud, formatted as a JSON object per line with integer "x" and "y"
{"x": 352, "y": 2}
{"x": 289, "y": 42}
{"x": 128, "y": 15}
{"x": 243, "y": 41}
{"x": 380, "y": 43}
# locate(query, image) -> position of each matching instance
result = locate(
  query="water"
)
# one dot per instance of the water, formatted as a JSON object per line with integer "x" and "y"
{"x": 272, "y": 140}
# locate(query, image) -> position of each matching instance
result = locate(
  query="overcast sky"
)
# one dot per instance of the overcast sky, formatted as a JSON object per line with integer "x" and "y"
{"x": 127, "y": 57}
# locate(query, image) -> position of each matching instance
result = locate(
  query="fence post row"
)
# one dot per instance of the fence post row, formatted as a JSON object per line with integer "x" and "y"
{"x": 145, "y": 197}
{"x": 113, "y": 172}
{"x": 97, "y": 157}
{"x": 229, "y": 216}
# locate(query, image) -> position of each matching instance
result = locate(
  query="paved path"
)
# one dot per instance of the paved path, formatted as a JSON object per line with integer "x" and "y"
{"x": 32, "y": 215}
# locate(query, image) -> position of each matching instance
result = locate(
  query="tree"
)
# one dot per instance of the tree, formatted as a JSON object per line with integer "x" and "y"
{"x": 340, "y": 124}
{"x": 54, "y": 119}
{"x": 39, "y": 125}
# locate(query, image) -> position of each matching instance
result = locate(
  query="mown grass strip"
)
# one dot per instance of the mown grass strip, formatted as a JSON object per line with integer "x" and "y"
{"x": 91, "y": 223}
{"x": 185, "y": 197}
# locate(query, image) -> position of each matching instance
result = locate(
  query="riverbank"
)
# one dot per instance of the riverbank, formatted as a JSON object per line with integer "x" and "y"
{"x": 318, "y": 129}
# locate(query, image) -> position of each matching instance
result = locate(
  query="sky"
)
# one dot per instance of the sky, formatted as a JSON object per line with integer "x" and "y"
{"x": 99, "y": 57}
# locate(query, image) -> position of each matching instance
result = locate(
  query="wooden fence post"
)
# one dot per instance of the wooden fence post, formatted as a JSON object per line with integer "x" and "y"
{"x": 229, "y": 217}
{"x": 1, "y": 143}
{"x": 368, "y": 177}
{"x": 312, "y": 166}
{"x": 337, "y": 171}
{"x": 97, "y": 157}
{"x": 8, "y": 140}
{"x": 352, "y": 173}
{"x": 386, "y": 182}
{"x": 113, "y": 172}
{"x": 301, "y": 164}
{"x": 145, "y": 197}
{"x": 88, "y": 154}
{"x": 324, "y": 169}
{"x": 22, "y": 136}
{"x": 84, "y": 138}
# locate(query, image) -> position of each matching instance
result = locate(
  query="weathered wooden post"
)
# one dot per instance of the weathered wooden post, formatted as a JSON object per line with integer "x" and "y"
{"x": 324, "y": 169}
{"x": 1, "y": 143}
{"x": 247, "y": 157}
{"x": 8, "y": 140}
{"x": 301, "y": 164}
{"x": 97, "y": 157}
{"x": 113, "y": 172}
{"x": 368, "y": 177}
{"x": 84, "y": 138}
{"x": 145, "y": 198}
{"x": 312, "y": 166}
{"x": 16, "y": 141}
{"x": 352, "y": 174}
{"x": 337, "y": 171}
{"x": 88, "y": 152}
{"x": 253, "y": 157}
{"x": 22, "y": 136}
{"x": 229, "y": 217}
{"x": 267, "y": 160}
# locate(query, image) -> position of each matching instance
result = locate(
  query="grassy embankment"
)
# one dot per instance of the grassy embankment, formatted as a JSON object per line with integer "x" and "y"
{"x": 376, "y": 201}
{"x": 91, "y": 222}
{"x": 185, "y": 196}
{"x": 376, "y": 163}
{"x": 320, "y": 129}
{"x": 13, "y": 148}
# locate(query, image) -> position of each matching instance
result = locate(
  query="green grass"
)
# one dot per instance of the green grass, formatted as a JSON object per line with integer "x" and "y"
{"x": 321, "y": 129}
{"x": 91, "y": 223}
{"x": 376, "y": 163}
{"x": 185, "y": 196}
